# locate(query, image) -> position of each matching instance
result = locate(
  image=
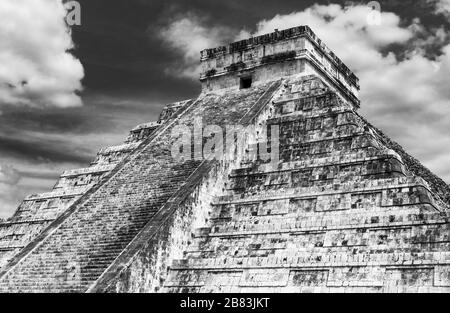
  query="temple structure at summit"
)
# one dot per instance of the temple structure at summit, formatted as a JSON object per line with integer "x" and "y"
{"x": 344, "y": 209}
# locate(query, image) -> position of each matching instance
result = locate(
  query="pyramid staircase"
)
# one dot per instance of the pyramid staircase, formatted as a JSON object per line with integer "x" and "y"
{"x": 80, "y": 245}
{"x": 341, "y": 213}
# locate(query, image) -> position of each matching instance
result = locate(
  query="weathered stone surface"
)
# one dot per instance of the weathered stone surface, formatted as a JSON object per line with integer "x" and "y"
{"x": 37, "y": 211}
{"x": 80, "y": 245}
{"x": 342, "y": 212}
{"x": 345, "y": 209}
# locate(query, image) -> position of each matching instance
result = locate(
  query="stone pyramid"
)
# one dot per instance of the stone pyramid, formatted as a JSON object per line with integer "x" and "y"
{"x": 343, "y": 209}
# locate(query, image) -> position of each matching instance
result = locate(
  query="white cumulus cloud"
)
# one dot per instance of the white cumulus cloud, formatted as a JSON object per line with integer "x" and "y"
{"x": 189, "y": 35}
{"x": 442, "y": 6}
{"x": 36, "y": 68}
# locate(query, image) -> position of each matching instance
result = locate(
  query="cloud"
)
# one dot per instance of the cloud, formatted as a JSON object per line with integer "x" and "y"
{"x": 36, "y": 68}
{"x": 189, "y": 35}
{"x": 10, "y": 193}
{"x": 404, "y": 90}
{"x": 441, "y": 6}
{"x": 8, "y": 175}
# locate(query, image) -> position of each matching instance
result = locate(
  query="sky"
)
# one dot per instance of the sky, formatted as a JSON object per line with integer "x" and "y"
{"x": 65, "y": 92}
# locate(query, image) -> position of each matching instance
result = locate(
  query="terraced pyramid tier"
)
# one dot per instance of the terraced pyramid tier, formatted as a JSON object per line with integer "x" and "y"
{"x": 37, "y": 211}
{"x": 342, "y": 212}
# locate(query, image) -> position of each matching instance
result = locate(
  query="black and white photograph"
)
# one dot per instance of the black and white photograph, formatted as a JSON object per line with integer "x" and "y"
{"x": 224, "y": 152}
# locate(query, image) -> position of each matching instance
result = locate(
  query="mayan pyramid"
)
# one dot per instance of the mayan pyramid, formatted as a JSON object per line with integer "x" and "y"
{"x": 344, "y": 208}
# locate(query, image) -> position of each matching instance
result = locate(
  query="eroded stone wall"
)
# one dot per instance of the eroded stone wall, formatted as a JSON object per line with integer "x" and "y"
{"x": 342, "y": 212}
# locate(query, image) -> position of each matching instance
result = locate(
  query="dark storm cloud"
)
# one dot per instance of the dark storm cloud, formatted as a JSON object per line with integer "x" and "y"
{"x": 57, "y": 135}
{"x": 52, "y": 120}
{"x": 43, "y": 174}
{"x": 39, "y": 151}
{"x": 119, "y": 52}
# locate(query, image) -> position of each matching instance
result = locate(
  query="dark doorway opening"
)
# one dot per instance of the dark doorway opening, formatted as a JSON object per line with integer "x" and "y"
{"x": 246, "y": 82}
